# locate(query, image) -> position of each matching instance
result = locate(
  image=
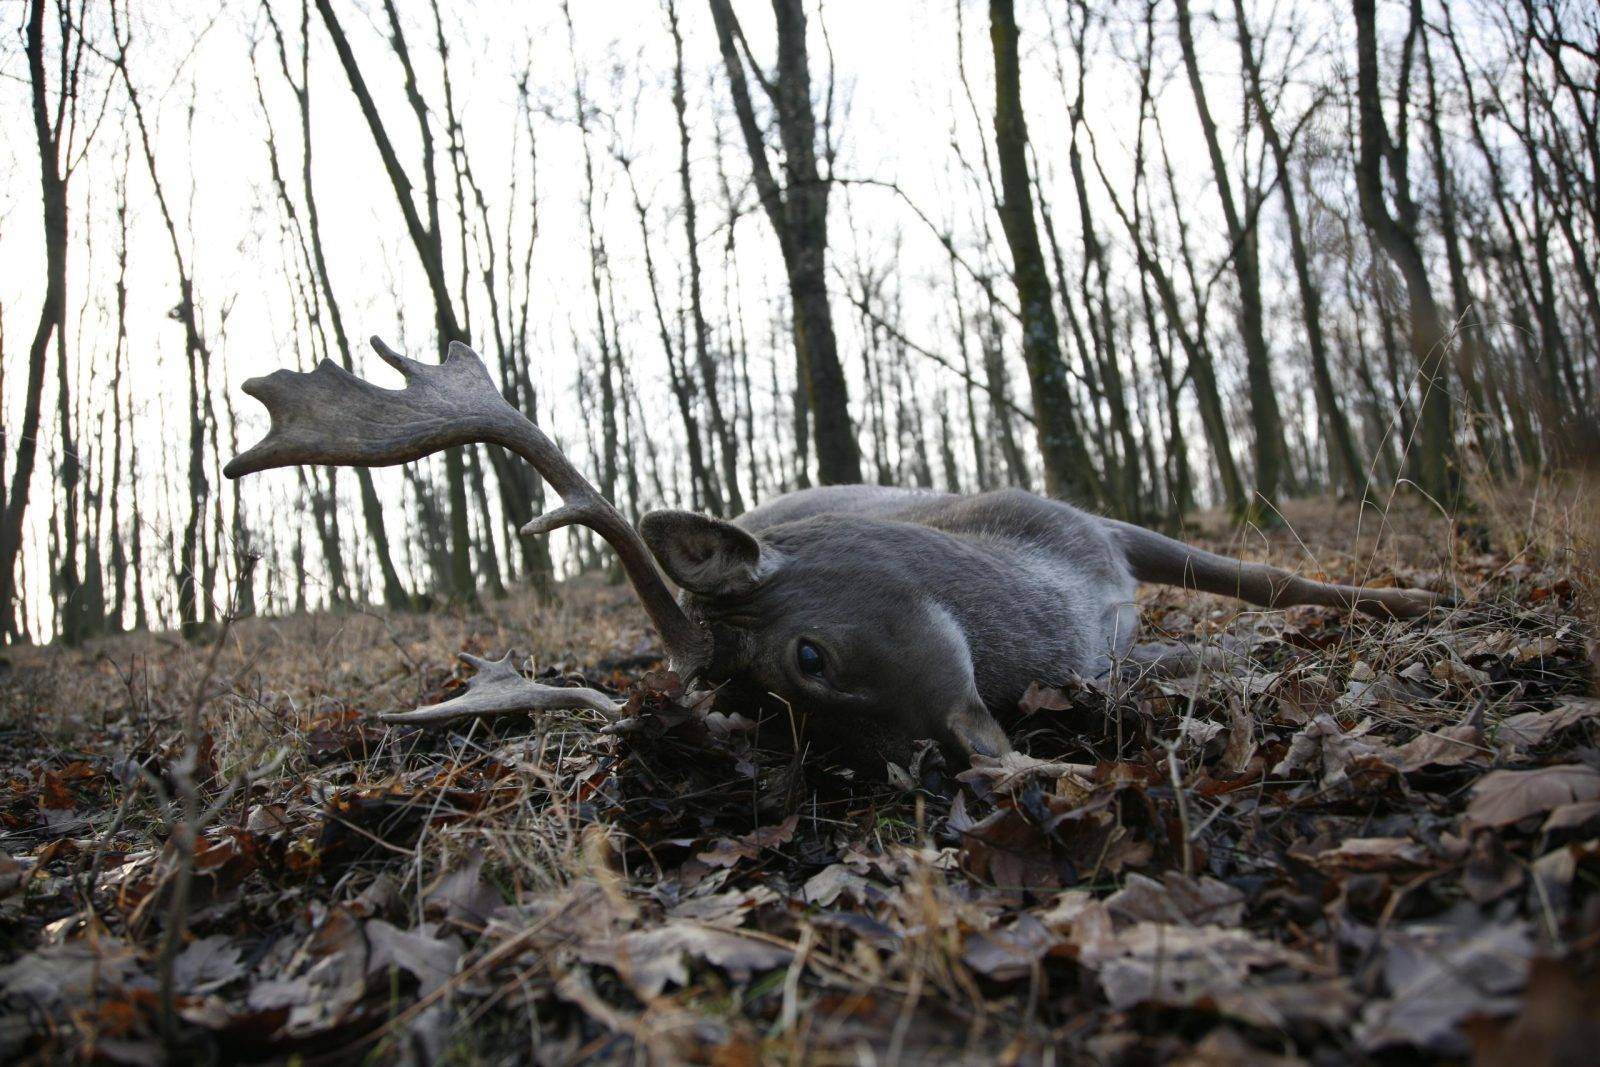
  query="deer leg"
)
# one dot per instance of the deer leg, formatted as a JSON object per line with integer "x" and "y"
{"x": 1174, "y": 659}
{"x": 1153, "y": 557}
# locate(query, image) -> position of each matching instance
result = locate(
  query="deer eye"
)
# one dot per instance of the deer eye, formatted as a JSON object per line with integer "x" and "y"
{"x": 808, "y": 657}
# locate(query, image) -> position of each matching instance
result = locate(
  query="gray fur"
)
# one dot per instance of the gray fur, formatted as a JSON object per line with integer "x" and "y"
{"x": 935, "y": 611}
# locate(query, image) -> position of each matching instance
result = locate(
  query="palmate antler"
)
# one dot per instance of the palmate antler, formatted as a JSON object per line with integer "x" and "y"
{"x": 329, "y": 416}
{"x": 498, "y": 688}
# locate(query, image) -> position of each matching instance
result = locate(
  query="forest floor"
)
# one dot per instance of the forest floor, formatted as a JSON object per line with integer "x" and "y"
{"x": 1357, "y": 841}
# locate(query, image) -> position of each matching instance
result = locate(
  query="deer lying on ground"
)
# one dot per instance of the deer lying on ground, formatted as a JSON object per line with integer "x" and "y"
{"x": 898, "y": 614}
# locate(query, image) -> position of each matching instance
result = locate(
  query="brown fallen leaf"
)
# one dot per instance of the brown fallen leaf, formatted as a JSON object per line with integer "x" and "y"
{"x": 1325, "y": 747}
{"x": 650, "y": 960}
{"x": 1010, "y": 952}
{"x": 1365, "y": 854}
{"x": 1559, "y": 1024}
{"x": 267, "y": 819}
{"x": 1041, "y": 697}
{"x": 726, "y": 851}
{"x": 1438, "y": 974}
{"x": 1213, "y": 966}
{"x": 1177, "y": 899}
{"x": 1501, "y": 798}
{"x": 1572, "y": 816}
{"x": 1454, "y": 672}
{"x": 1224, "y": 1047}
{"x": 1450, "y": 746}
{"x": 1014, "y": 854}
{"x": 1531, "y": 728}
{"x": 828, "y": 884}
{"x": 59, "y": 974}
{"x": 1241, "y": 746}
{"x": 1574, "y": 710}
{"x": 1524, "y": 730}
{"x": 421, "y": 953}
{"x": 324, "y": 978}
{"x": 728, "y": 909}
{"x": 1011, "y": 771}
{"x": 207, "y": 964}
{"x": 462, "y": 895}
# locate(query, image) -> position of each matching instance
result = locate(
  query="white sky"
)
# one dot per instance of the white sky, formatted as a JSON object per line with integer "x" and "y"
{"x": 899, "y": 102}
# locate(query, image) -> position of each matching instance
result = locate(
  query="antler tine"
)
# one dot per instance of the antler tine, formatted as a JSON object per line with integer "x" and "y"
{"x": 500, "y": 689}
{"x": 330, "y": 416}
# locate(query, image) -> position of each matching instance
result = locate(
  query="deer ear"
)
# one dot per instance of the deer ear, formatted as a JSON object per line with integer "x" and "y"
{"x": 704, "y": 555}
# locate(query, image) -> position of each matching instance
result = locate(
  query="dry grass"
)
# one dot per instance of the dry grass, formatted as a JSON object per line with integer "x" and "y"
{"x": 500, "y": 892}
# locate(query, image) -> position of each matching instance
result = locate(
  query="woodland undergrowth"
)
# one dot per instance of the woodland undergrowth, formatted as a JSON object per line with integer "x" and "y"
{"x": 1344, "y": 841}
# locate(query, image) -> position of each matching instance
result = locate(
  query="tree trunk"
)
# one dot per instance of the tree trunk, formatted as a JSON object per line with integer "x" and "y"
{"x": 1067, "y": 468}
{"x": 394, "y": 590}
{"x": 197, "y": 356}
{"x": 1265, "y": 418}
{"x": 52, "y": 318}
{"x": 726, "y": 435}
{"x": 425, "y": 238}
{"x": 1341, "y": 442}
{"x": 798, "y": 212}
{"x": 1435, "y": 454}
{"x": 1471, "y": 359}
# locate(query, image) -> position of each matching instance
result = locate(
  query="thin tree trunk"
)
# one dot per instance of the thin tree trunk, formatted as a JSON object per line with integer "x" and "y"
{"x": 426, "y": 240}
{"x": 119, "y": 553}
{"x": 798, "y": 213}
{"x": 678, "y": 377}
{"x": 980, "y": 461}
{"x": 394, "y": 590}
{"x": 196, "y": 353}
{"x": 72, "y": 620}
{"x": 52, "y": 312}
{"x": 1068, "y": 471}
{"x": 726, "y": 434}
{"x": 1434, "y": 457}
{"x": 995, "y": 378}
{"x": 1341, "y": 443}
{"x": 1265, "y": 418}
{"x": 1471, "y": 359}
{"x": 1208, "y": 397}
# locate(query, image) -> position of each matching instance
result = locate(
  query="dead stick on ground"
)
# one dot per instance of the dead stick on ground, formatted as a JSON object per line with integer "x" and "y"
{"x": 187, "y": 828}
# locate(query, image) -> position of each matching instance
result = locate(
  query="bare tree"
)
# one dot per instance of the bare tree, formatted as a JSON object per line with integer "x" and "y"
{"x": 1067, "y": 470}
{"x": 426, "y": 239}
{"x": 394, "y": 590}
{"x": 727, "y": 439}
{"x": 798, "y": 212}
{"x": 1244, "y": 249}
{"x": 53, "y": 128}
{"x": 1434, "y": 458}
{"x": 1336, "y": 425}
{"x": 196, "y": 351}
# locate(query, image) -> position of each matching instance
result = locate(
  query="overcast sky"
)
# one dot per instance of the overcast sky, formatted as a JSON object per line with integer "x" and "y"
{"x": 898, "y": 99}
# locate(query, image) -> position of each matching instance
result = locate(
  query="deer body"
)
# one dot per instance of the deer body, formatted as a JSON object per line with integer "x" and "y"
{"x": 933, "y": 611}
{"x": 879, "y": 615}
{"x": 1037, "y": 590}
{"x": 929, "y": 613}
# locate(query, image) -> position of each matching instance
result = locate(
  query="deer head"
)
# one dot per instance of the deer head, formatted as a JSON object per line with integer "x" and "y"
{"x": 828, "y": 616}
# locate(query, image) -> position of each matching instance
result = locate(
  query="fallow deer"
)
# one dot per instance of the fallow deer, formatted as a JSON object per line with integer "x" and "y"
{"x": 893, "y": 614}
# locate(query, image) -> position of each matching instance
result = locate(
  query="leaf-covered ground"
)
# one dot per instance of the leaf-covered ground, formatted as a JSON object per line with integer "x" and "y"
{"x": 1342, "y": 841}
